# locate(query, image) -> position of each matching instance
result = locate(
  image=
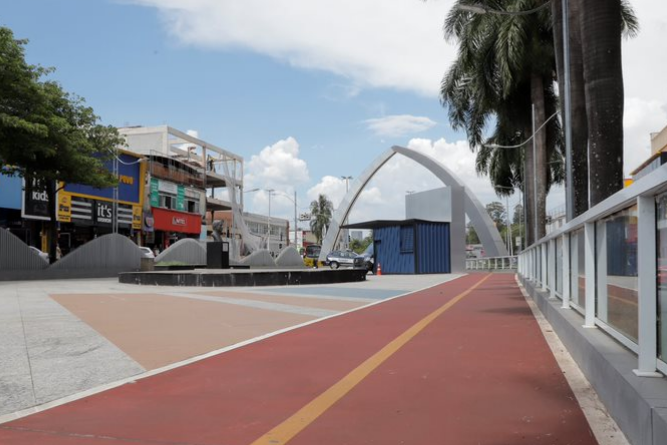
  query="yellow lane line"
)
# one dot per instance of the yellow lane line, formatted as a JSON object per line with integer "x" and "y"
{"x": 284, "y": 432}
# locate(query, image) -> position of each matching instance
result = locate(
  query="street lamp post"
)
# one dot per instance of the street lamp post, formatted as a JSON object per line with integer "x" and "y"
{"x": 346, "y": 235}
{"x": 295, "y": 206}
{"x": 268, "y": 226}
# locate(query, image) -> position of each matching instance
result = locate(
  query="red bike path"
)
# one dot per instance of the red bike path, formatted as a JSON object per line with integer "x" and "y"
{"x": 461, "y": 363}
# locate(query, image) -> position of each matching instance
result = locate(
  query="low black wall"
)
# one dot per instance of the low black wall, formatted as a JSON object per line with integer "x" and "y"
{"x": 243, "y": 277}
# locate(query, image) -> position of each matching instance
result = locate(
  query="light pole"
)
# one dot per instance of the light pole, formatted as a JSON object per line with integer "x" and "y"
{"x": 567, "y": 114}
{"x": 346, "y": 235}
{"x": 268, "y": 226}
{"x": 285, "y": 195}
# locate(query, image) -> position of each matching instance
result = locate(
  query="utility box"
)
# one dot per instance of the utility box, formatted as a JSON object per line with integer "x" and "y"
{"x": 217, "y": 255}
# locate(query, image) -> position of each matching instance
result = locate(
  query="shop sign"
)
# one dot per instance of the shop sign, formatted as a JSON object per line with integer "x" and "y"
{"x": 136, "y": 217}
{"x": 129, "y": 180}
{"x": 148, "y": 222}
{"x": 35, "y": 201}
{"x": 172, "y": 221}
{"x": 155, "y": 192}
{"x": 64, "y": 207}
{"x": 180, "y": 199}
{"x": 104, "y": 213}
{"x": 168, "y": 187}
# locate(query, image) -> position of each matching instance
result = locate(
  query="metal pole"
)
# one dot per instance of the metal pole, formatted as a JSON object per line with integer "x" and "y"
{"x": 569, "y": 186}
{"x": 534, "y": 179}
{"x": 295, "y": 218}
{"x": 268, "y": 225}
{"x": 508, "y": 233}
{"x": 114, "y": 205}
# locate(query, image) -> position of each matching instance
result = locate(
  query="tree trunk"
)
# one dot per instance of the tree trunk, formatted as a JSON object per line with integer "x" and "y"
{"x": 579, "y": 123}
{"x": 53, "y": 224}
{"x": 600, "y": 27}
{"x": 537, "y": 96}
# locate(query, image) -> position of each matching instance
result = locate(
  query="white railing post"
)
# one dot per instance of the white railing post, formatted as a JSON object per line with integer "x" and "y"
{"x": 567, "y": 274}
{"x": 544, "y": 250}
{"x": 551, "y": 282}
{"x": 602, "y": 279}
{"x": 647, "y": 293}
{"x": 589, "y": 261}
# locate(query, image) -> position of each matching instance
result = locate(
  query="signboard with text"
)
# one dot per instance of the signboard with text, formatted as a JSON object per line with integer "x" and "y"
{"x": 35, "y": 201}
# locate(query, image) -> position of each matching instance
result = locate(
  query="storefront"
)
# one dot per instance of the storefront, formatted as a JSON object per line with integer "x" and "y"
{"x": 173, "y": 211}
{"x": 85, "y": 212}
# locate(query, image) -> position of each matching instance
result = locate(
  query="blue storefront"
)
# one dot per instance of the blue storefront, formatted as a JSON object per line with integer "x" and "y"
{"x": 410, "y": 246}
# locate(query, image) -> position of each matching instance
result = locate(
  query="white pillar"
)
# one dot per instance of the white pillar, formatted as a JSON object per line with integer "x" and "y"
{"x": 544, "y": 248}
{"x": 601, "y": 255}
{"x": 647, "y": 294}
{"x": 589, "y": 261}
{"x": 566, "y": 271}
{"x": 552, "y": 269}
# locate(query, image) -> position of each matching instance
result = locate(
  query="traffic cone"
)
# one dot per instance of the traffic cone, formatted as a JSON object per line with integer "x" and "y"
{"x": 379, "y": 272}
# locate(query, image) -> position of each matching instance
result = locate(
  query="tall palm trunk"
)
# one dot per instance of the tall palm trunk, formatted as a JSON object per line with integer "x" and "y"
{"x": 579, "y": 122}
{"x": 601, "y": 28}
{"x": 537, "y": 96}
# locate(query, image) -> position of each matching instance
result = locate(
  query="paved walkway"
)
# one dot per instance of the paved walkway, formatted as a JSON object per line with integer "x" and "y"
{"x": 58, "y": 338}
{"x": 459, "y": 363}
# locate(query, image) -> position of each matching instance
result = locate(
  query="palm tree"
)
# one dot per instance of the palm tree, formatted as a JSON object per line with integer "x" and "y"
{"x": 320, "y": 216}
{"x": 581, "y": 102}
{"x": 504, "y": 65}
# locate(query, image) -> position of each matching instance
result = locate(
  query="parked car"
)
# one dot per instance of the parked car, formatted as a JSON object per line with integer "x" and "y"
{"x": 369, "y": 257}
{"x": 146, "y": 252}
{"x": 42, "y": 255}
{"x": 311, "y": 255}
{"x": 340, "y": 258}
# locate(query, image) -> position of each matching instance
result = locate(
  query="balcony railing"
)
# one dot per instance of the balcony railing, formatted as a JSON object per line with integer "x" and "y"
{"x": 610, "y": 265}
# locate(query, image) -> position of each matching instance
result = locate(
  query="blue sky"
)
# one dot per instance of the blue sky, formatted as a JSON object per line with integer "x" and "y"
{"x": 310, "y": 90}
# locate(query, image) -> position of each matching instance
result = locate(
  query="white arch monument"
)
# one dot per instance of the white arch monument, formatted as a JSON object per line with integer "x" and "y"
{"x": 479, "y": 218}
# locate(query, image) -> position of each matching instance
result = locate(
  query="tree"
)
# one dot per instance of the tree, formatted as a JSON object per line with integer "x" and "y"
{"x": 359, "y": 246}
{"x": 497, "y": 213}
{"x": 471, "y": 235}
{"x": 504, "y": 66}
{"x": 47, "y": 134}
{"x": 590, "y": 95}
{"x": 320, "y": 216}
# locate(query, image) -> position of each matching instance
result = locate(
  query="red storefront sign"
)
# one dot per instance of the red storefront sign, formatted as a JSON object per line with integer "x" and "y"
{"x": 173, "y": 221}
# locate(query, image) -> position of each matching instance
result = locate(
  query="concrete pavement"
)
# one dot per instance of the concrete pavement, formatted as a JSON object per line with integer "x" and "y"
{"x": 59, "y": 338}
{"x": 463, "y": 362}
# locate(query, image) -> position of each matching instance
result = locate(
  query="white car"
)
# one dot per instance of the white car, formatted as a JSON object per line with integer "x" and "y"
{"x": 42, "y": 255}
{"x": 146, "y": 252}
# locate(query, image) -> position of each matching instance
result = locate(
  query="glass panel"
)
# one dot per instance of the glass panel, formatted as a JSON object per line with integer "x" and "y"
{"x": 577, "y": 269}
{"x": 559, "y": 266}
{"x": 617, "y": 281}
{"x": 661, "y": 223}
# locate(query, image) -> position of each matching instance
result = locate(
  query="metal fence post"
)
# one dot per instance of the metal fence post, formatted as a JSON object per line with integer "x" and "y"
{"x": 646, "y": 244}
{"x": 589, "y": 261}
{"x": 566, "y": 272}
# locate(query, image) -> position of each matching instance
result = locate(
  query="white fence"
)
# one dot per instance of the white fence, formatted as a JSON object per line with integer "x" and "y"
{"x": 610, "y": 265}
{"x": 492, "y": 263}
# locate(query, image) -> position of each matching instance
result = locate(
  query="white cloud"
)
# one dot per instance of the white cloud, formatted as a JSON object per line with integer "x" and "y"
{"x": 400, "y": 125}
{"x": 277, "y": 165}
{"x": 370, "y": 42}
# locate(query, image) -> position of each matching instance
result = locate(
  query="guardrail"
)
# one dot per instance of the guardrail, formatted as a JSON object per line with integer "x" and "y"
{"x": 492, "y": 263}
{"x": 610, "y": 265}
